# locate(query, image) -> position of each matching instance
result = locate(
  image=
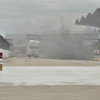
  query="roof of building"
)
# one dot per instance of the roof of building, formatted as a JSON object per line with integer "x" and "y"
{"x": 92, "y": 19}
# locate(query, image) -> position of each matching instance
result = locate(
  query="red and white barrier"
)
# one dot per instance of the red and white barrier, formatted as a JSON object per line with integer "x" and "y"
{"x": 7, "y": 53}
{"x": 96, "y": 51}
{"x": 1, "y": 60}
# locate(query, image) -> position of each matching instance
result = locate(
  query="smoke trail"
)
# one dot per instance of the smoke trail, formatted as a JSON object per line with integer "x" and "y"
{"x": 67, "y": 47}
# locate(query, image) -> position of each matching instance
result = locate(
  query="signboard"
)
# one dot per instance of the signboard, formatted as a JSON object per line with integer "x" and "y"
{"x": 33, "y": 37}
{"x": 1, "y": 60}
{"x": 1, "y": 55}
{"x": 94, "y": 51}
{"x": 11, "y": 48}
{"x": 97, "y": 51}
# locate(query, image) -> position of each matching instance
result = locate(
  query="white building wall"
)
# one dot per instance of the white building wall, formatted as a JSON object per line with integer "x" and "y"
{"x": 7, "y": 53}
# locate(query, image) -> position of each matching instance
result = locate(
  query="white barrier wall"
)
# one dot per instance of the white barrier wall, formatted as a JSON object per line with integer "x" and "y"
{"x": 7, "y": 53}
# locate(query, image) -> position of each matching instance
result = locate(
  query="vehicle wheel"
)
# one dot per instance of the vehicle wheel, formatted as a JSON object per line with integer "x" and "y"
{"x": 29, "y": 55}
{"x": 36, "y": 56}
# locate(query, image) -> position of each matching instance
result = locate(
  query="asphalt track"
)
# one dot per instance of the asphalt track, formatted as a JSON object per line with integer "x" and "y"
{"x": 34, "y": 61}
{"x": 49, "y": 79}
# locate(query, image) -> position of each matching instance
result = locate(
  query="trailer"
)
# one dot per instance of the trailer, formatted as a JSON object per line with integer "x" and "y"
{"x": 33, "y": 48}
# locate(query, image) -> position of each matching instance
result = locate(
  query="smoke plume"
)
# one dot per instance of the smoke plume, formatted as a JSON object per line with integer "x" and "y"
{"x": 66, "y": 46}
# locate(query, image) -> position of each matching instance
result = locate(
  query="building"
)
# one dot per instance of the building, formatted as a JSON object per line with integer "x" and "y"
{"x": 21, "y": 41}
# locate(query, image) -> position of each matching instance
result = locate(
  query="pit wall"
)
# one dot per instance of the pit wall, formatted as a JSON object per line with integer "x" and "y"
{"x": 7, "y": 53}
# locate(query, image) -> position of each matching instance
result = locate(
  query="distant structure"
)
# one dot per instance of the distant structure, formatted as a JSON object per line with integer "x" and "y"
{"x": 92, "y": 19}
{"x": 92, "y": 23}
{"x": 5, "y": 45}
{"x": 6, "y": 48}
{"x": 20, "y": 41}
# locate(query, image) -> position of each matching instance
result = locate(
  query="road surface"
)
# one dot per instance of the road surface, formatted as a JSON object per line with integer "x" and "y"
{"x": 24, "y": 76}
{"x": 26, "y": 79}
{"x": 32, "y": 61}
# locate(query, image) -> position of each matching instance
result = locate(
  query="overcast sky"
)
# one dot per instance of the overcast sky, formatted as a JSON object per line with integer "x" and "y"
{"x": 19, "y": 16}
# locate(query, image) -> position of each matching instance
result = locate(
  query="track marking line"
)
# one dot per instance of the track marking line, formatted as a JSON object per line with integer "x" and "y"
{"x": 10, "y": 60}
